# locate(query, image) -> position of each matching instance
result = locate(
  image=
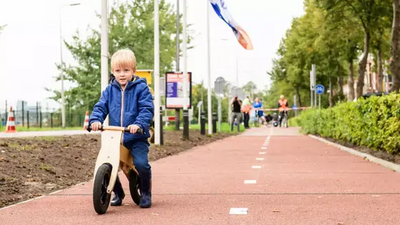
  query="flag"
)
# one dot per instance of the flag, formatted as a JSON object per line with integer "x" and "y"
{"x": 222, "y": 12}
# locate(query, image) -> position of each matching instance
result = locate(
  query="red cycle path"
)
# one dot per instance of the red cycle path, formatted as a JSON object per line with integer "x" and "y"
{"x": 301, "y": 181}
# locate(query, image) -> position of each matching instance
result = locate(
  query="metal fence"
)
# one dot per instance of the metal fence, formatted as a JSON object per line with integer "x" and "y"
{"x": 43, "y": 119}
{"x": 34, "y": 115}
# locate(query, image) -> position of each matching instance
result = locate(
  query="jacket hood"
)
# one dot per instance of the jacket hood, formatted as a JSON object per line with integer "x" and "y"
{"x": 135, "y": 80}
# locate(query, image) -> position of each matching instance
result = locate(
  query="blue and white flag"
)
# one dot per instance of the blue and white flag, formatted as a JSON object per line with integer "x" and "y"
{"x": 221, "y": 10}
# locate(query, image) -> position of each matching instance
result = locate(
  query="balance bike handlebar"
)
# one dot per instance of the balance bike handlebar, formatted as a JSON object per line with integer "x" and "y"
{"x": 115, "y": 128}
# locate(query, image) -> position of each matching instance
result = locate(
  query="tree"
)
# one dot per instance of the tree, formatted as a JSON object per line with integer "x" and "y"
{"x": 381, "y": 45}
{"x": 130, "y": 26}
{"x": 395, "y": 47}
{"x": 368, "y": 13}
{"x": 349, "y": 41}
{"x": 250, "y": 88}
{"x": 332, "y": 34}
{"x": 307, "y": 42}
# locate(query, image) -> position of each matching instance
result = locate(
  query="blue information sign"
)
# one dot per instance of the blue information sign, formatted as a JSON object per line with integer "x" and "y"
{"x": 319, "y": 89}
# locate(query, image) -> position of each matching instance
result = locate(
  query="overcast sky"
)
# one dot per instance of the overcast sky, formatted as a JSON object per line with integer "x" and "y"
{"x": 30, "y": 44}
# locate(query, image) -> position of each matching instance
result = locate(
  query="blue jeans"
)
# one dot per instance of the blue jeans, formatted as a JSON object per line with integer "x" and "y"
{"x": 140, "y": 152}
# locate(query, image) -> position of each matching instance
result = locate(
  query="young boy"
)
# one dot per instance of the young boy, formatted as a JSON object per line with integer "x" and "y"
{"x": 129, "y": 103}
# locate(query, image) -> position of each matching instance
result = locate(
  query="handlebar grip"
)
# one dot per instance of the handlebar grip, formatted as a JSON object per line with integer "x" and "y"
{"x": 139, "y": 131}
{"x": 89, "y": 128}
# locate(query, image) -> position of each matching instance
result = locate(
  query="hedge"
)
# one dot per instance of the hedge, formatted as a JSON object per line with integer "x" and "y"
{"x": 372, "y": 122}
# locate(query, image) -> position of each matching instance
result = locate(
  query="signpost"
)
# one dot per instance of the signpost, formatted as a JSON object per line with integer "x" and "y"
{"x": 219, "y": 91}
{"x": 199, "y": 108}
{"x": 162, "y": 86}
{"x": 319, "y": 89}
{"x": 174, "y": 96}
{"x": 312, "y": 88}
{"x": 314, "y": 76}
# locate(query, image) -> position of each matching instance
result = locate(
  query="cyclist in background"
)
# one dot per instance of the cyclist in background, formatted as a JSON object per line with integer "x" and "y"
{"x": 259, "y": 110}
{"x": 283, "y": 107}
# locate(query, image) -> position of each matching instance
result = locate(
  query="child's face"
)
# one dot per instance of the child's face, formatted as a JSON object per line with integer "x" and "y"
{"x": 123, "y": 74}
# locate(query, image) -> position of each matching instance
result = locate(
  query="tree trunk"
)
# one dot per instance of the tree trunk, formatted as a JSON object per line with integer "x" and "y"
{"x": 380, "y": 68}
{"x": 395, "y": 48}
{"x": 350, "y": 81}
{"x": 363, "y": 64}
{"x": 331, "y": 91}
{"x": 340, "y": 81}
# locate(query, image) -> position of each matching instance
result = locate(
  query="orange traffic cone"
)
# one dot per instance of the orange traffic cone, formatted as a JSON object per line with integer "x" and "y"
{"x": 86, "y": 124}
{"x": 10, "y": 127}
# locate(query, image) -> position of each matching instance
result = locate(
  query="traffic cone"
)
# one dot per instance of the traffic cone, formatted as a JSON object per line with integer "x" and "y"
{"x": 10, "y": 127}
{"x": 86, "y": 124}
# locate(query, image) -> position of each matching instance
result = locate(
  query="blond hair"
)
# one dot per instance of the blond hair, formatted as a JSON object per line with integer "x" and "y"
{"x": 124, "y": 58}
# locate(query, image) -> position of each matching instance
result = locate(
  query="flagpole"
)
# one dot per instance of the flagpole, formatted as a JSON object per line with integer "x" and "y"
{"x": 104, "y": 50}
{"x": 184, "y": 50}
{"x": 157, "y": 124}
{"x": 208, "y": 69}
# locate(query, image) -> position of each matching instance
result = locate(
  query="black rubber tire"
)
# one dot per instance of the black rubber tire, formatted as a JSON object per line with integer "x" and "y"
{"x": 101, "y": 199}
{"x": 134, "y": 187}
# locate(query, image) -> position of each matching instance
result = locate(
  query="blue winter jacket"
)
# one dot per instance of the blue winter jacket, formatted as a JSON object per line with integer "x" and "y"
{"x": 135, "y": 103}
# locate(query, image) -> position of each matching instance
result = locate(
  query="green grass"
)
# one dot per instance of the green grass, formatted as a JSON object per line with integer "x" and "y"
{"x": 22, "y": 129}
{"x": 225, "y": 128}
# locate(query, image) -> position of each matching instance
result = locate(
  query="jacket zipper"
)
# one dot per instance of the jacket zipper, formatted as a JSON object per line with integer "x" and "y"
{"x": 122, "y": 112}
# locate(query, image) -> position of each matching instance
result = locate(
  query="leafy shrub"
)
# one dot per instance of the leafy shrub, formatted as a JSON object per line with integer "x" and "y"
{"x": 372, "y": 122}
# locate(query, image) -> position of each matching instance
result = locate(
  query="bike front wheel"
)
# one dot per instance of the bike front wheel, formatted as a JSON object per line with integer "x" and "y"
{"x": 101, "y": 199}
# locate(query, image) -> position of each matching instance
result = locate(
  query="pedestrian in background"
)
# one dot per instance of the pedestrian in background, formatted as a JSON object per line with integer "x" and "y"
{"x": 246, "y": 108}
{"x": 236, "y": 112}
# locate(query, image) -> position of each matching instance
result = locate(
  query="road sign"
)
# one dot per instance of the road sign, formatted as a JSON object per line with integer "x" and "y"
{"x": 319, "y": 89}
{"x": 219, "y": 85}
{"x": 174, "y": 97}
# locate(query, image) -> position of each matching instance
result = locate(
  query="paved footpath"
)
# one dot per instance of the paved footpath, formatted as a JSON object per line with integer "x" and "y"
{"x": 278, "y": 175}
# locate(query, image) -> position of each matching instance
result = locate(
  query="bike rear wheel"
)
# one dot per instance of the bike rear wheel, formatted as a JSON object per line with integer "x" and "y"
{"x": 135, "y": 187}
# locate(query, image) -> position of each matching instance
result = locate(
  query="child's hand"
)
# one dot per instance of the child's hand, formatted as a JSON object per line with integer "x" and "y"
{"x": 133, "y": 128}
{"x": 96, "y": 126}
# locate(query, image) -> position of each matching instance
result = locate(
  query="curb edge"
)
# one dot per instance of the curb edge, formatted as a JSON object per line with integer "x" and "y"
{"x": 382, "y": 162}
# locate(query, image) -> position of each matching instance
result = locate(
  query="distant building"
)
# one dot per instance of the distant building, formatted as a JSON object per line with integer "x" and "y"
{"x": 371, "y": 79}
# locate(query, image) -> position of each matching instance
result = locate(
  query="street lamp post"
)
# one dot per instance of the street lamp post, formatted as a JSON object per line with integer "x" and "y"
{"x": 185, "y": 76}
{"x": 209, "y": 105}
{"x": 62, "y": 64}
